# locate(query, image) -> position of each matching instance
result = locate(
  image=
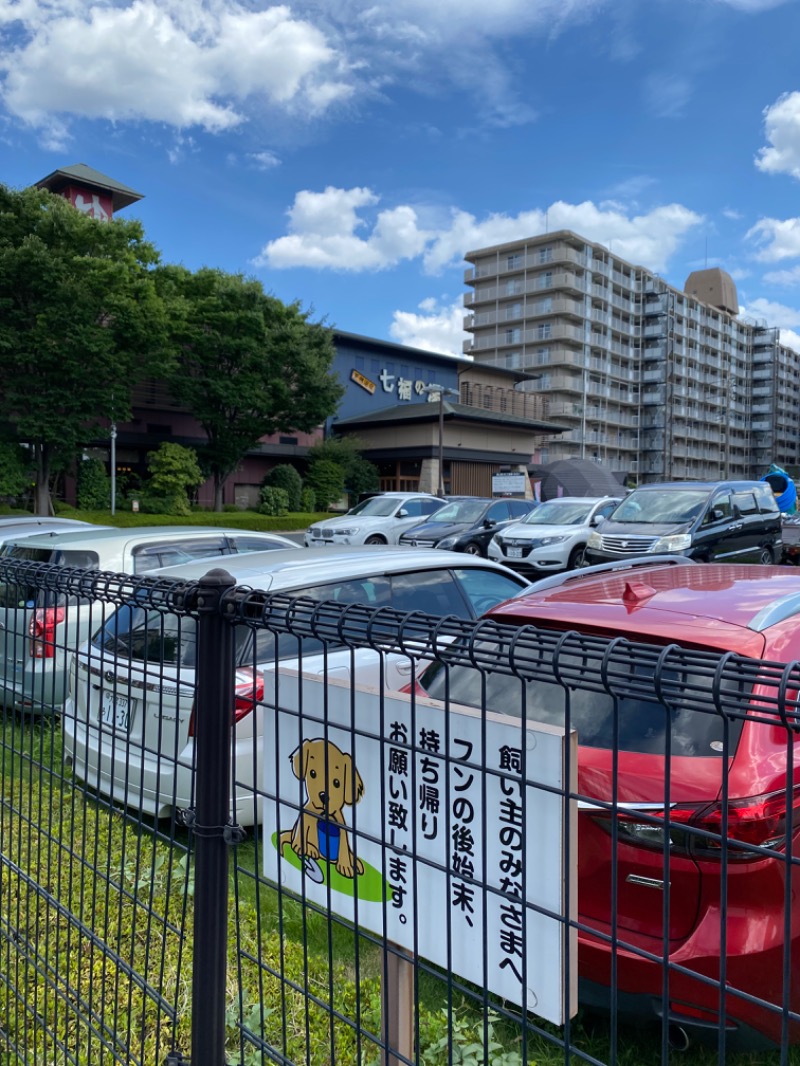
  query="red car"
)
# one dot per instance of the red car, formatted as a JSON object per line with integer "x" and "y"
{"x": 751, "y": 611}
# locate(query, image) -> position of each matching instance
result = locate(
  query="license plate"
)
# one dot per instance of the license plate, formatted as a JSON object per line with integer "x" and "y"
{"x": 515, "y": 553}
{"x": 115, "y": 711}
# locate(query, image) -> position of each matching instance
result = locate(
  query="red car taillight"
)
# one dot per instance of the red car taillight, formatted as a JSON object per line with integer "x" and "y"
{"x": 42, "y": 630}
{"x": 247, "y": 693}
{"x": 758, "y": 821}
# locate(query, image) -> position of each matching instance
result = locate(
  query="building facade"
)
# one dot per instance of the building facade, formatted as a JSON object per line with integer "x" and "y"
{"x": 655, "y": 382}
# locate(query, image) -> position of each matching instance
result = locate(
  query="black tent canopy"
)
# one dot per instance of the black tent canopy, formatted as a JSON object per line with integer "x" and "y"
{"x": 576, "y": 477}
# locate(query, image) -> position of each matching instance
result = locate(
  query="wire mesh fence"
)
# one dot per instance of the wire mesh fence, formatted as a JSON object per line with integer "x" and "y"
{"x": 250, "y": 828}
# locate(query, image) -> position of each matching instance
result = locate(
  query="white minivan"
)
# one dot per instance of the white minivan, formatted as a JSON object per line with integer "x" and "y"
{"x": 40, "y": 630}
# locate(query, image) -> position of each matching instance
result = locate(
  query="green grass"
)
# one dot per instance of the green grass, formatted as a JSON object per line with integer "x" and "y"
{"x": 75, "y": 873}
{"x": 250, "y": 520}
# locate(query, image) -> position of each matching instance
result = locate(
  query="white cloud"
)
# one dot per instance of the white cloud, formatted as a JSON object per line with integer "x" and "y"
{"x": 264, "y": 160}
{"x": 783, "y": 277}
{"x": 774, "y": 313}
{"x": 775, "y": 238}
{"x": 322, "y": 232}
{"x": 437, "y": 329}
{"x": 180, "y": 62}
{"x": 782, "y": 128}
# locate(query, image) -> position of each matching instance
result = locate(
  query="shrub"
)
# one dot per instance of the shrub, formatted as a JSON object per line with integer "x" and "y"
{"x": 174, "y": 472}
{"x": 308, "y": 500}
{"x": 93, "y": 486}
{"x": 326, "y": 478}
{"x": 274, "y": 501}
{"x": 287, "y": 478}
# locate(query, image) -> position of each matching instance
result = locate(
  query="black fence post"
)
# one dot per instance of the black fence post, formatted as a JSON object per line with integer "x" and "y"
{"x": 213, "y": 723}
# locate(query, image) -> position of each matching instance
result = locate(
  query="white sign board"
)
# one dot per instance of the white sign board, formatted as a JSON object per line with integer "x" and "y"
{"x": 421, "y": 846}
{"x": 503, "y": 484}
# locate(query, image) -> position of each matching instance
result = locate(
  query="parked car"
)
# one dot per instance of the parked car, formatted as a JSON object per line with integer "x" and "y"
{"x": 377, "y": 520}
{"x": 554, "y": 536}
{"x": 711, "y": 521}
{"x": 13, "y": 527}
{"x": 467, "y": 524}
{"x": 39, "y": 634}
{"x": 751, "y": 612}
{"x": 128, "y": 728}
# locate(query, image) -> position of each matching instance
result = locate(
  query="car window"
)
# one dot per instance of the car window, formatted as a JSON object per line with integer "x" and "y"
{"x": 147, "y": 557}
{"x": 745, "y": 503}
{"x": 519, "y": 508}
{"x": 429, "y": 506}
{"x": 429, "y": 591}
{"x": 13, "y": 594}
{"x": 642, "y": 724}
{"x": 249, "y": 543}
{"x": 559, "y": 513}
{"x": 767, "y": 504}
{"x": 498, "y": 512}
{"x": 459, "y": 511}
{"x": 415, "y": 508}
{"x": 721, "y": 508}
{"x": 605, "y": 510}
{"x": 486, "y": 588}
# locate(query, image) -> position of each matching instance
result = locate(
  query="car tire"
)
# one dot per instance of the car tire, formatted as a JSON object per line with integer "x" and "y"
{"x": 472, "y": 549}
{"x": 577, "y": 557}
{"x": 375, "y": 539}
{"x": 766, "y": 557}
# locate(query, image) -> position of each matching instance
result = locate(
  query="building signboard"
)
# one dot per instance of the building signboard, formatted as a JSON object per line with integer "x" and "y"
{"x": 459, "y": 849}
{"x": 509, "y": 484}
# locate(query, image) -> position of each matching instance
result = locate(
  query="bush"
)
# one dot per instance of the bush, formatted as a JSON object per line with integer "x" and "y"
{"x": 174, "y": 472}
{"x": 274, "y": 501}
{"x": 308, "y": 500}
{"x": 171, "y": 505}
{"x": 93, "y": 485}
{"x": 287, "y": 478}
{"x": 326, "y": 478}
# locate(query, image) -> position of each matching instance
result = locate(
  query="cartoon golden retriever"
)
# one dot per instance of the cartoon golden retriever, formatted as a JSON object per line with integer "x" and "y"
{"x": 332, "y": 783}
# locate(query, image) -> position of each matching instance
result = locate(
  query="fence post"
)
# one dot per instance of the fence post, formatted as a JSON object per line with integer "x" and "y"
{"x": 212, "y": 739}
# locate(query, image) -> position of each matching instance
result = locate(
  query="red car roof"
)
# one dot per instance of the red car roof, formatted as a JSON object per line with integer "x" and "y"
{"x": 727, "y": 606}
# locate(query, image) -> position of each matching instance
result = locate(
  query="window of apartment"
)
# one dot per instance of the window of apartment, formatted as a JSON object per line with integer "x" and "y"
{"x": 514, "y": 310}
{"x": 543, "y": 355}
{"x": 545, "y": 281}
{"x": 513, "y": 286}
{"x": 513, "y": 336}
{"x": 546, "y": 254}
{"x": 514, "y": 262}
{"x": 544, "y": 331}
{"x": 514, "y": 359}
{"x": 544, "y": 307}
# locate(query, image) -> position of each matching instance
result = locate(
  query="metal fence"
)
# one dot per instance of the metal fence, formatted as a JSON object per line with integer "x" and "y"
{"x": 227, "y": 836}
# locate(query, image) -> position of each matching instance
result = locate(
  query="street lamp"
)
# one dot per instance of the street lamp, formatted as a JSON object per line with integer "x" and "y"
{"x": 113, "y": 468}
{"x": 432, "y": 390}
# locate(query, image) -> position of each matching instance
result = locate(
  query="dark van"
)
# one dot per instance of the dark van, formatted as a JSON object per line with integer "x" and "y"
{"x": 710, "y": 521}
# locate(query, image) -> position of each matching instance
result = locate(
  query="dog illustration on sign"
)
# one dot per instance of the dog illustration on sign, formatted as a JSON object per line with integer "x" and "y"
{"x": 320, "y": 832}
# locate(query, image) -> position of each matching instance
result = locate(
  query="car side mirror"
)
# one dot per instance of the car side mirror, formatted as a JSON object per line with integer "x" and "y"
{"x": 402, "y": 513}
{"x": 598, "y": 519}
{"x": 716, "y": 514}
{"x": 488, "y": 523}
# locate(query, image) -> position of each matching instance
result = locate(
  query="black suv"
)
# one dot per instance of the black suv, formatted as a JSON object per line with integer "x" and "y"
{"x": 466, "y": 523}
{"x": 734, "y": 521}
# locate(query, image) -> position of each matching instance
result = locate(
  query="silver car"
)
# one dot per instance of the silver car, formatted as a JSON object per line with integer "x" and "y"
{"x": 553, "y": 537}
{"x": 39, "y": 631}
{"x": 379, "y": 519}
{"x": 128, "y": 717}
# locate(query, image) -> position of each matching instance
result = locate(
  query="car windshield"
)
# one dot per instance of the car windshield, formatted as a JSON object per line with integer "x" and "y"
{"x": 661, "y": 506}
{"x": 559, "y": 513}
{"x": 377, "y": 506}
{"x": 459, "y": 511}
{"x": 642, "y": 724}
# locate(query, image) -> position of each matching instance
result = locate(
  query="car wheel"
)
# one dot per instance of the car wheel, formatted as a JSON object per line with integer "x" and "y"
{"x": 576, "y": 558}
{"x": 765, "y": 557}
{"x": 473, "y": 549}
{"x": 375, "y": 539}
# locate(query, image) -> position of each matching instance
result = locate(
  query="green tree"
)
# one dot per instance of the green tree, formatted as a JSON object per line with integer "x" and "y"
{"x": 285, "y": 476}
{"x": 359, "y": 474}
{"x": 15, "y": 470}
{"x": 93, "y": 488}
{"x": 247, "y": 364}
{"x": 80, "y": 323}
{"x": 326, "y": 478}
{"x": 174, "y": 473}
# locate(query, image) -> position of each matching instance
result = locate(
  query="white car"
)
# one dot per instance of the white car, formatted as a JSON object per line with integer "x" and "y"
{"x": 128, "y": 716}
{"x": 553, "y": 537}
{"x": 39, "y": 632}
{"x": 377, "y": 520}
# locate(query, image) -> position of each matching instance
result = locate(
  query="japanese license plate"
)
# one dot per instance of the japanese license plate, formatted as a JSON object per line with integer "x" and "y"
{"x": 116, "y": 711}
{"x": 515, "y": 553}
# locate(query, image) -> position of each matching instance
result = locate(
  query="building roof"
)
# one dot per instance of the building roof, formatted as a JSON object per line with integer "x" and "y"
{"x": 429, "y": 412}
{"x": 457, "y": 361}
{"x": 121, "y": 195}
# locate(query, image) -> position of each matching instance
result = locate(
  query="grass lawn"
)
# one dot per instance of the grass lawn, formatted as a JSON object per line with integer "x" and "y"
{"x": 96, "y": 911}
{"x": 289, "y": 523}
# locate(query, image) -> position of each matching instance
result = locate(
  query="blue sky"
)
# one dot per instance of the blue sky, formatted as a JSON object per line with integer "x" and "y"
{"x": 349, "y": 152}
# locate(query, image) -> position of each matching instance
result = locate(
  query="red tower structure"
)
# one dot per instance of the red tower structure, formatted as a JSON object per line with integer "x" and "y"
{"x": 89, "y": 191}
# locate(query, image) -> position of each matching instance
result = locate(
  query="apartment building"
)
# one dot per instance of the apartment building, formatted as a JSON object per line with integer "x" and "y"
{"x": 655, "y": 382}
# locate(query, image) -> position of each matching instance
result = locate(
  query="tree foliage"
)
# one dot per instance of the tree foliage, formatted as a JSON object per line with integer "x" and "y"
{"x": 15, "y": 470}
{"x": 247, "y": 364}
{"x": 285, "y": 476}
{"x": 93, "y": 486}
{"x": 174, "y": 473}
{"x": 326, "y": 478}
{"x": 359, "y": 474}
{"x": 80, "y": 323}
